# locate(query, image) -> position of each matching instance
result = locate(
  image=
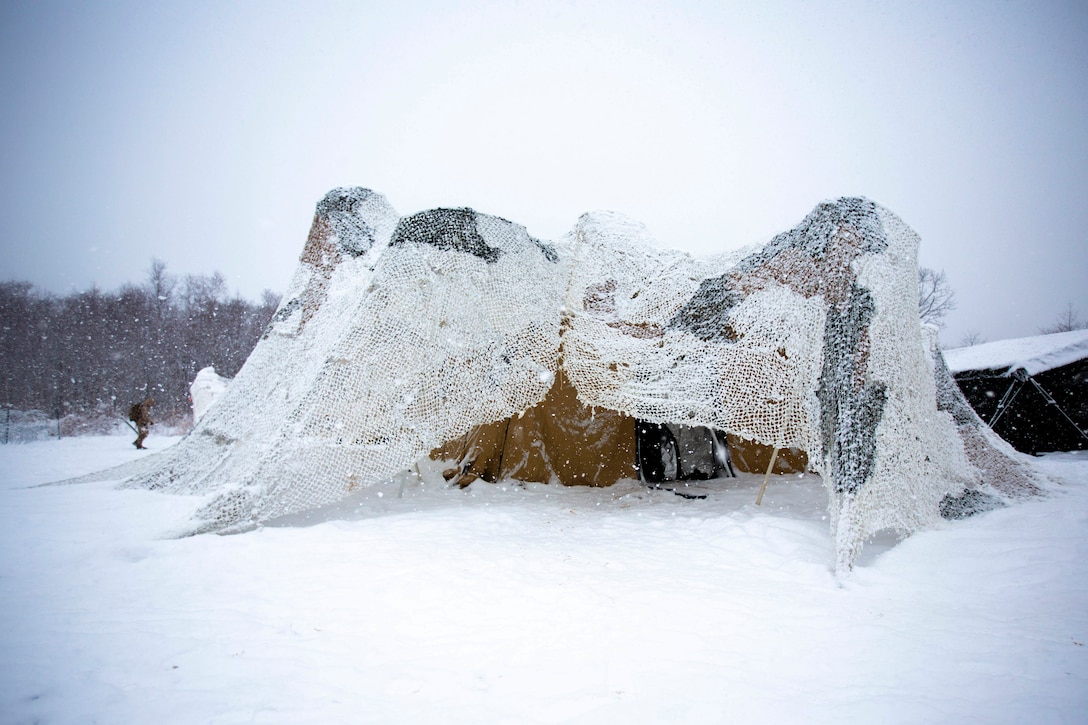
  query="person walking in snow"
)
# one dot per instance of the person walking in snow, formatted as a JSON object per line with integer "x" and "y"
{"x": 140, "y": 414}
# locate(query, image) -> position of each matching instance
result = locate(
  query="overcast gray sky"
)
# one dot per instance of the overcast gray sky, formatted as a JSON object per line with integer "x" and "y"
{"x": 204, "y": 133}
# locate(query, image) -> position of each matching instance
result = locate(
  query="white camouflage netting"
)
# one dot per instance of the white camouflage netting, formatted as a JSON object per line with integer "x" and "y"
{"x": 399, "y": 334}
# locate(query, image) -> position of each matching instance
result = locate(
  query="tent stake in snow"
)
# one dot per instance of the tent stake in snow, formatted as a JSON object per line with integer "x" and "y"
{"x": 767, "y": 477}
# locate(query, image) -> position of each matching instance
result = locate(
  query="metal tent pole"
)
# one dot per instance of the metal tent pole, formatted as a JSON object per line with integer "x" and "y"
{"x": 1050, "y": 401}
{"x": 1006, "y": 400}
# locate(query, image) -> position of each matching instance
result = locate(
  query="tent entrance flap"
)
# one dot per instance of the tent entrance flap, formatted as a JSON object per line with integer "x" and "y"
{"x": 668, "y": 452}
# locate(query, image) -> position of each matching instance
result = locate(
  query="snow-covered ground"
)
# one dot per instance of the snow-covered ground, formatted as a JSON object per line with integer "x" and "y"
{"x": 508, "y": 603}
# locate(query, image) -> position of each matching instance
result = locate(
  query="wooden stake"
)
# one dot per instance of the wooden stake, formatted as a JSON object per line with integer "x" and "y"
{"x": 767, "y": 477}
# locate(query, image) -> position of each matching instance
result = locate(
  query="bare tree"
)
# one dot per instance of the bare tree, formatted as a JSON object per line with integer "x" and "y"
{"x": 972, "y": 337}
{"x": 935, "y": 296}
{"x": 1067, "y": 320}
{"x": 160, "y": 283}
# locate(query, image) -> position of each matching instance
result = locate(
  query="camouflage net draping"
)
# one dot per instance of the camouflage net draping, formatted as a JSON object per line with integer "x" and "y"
{"x": 401, "y": 333}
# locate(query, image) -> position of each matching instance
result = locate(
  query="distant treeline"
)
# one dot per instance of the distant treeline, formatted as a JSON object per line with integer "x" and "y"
{"x": 97, "y": 352}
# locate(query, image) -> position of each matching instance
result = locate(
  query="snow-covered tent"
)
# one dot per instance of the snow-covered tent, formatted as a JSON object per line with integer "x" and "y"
{"x": 403, "y": 337}
{"x": 1033, "y": 391}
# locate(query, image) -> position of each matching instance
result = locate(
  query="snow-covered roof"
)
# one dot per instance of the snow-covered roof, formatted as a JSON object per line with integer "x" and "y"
{"x": 1035, "y": 354}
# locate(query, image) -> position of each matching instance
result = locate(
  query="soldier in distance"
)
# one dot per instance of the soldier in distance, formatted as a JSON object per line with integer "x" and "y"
{"x": 140, "y": 414}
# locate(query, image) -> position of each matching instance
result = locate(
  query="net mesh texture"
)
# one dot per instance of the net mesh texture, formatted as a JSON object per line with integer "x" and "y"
{"x": 398, "y": 334}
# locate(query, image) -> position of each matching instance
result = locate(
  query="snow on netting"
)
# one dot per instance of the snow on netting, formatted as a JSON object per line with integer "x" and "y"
{"x": 396, "y": 335}
{"x": 812, "y": 341}
{"x": 1000, "y": 465}
{"x": 400, "y": 334}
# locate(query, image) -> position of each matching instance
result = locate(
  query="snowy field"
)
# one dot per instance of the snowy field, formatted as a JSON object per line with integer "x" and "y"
{"x": 534, "y": 604}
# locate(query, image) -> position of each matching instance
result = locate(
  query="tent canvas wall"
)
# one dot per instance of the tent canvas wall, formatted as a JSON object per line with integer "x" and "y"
{"x": 557, "y": 440}
{"x": 400, "y": 335}
{"x": 1033, "y": 390}
{"x": 561, "y": 440}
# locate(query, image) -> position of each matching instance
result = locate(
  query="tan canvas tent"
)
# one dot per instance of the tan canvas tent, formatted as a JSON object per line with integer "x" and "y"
{"x": 557, "y": 440}
{"x": 560, "y": 440}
